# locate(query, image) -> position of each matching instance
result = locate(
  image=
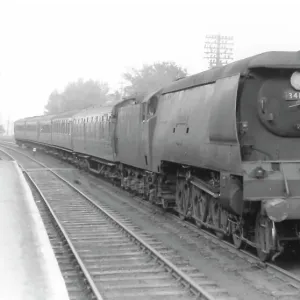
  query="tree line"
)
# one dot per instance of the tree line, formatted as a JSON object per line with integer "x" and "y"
{"x": 82, "y": 94}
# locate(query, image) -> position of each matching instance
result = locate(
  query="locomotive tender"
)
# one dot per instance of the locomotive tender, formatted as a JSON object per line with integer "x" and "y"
{"x": 221, "y": 147}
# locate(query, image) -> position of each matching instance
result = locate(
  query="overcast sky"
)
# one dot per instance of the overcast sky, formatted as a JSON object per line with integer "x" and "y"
{"x": 45, "y": 44}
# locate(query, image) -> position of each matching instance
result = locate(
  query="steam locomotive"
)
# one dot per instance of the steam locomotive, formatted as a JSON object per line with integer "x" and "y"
{"x": 221, "y": 147}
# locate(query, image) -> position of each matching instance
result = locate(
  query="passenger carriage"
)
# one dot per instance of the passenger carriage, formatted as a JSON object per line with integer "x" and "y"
{"x": 45, "y": 129}
{"x": 62, "y": 126}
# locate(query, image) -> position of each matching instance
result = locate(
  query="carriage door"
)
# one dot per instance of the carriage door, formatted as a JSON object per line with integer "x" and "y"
{"x": 74, "y": 131}
{"x": 145, "y": 134}
{"x": 113, "y": 134}
{"x": 69, "y": 130}
{"x": 38, "y": 129}
{"x": 84, "y": 133}
{"x": 148, "y": 123}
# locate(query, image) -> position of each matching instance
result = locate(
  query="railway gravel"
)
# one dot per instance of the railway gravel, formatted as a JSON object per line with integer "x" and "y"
{"x": 70, "y": 270}
{"x": 120, "y": 265}
{"x": 4, "y": 156}
{"x": 241, "y": 276}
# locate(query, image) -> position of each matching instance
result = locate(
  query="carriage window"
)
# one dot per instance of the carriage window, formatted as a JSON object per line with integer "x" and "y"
{"x": 152, "y": 105}
{"x": 45, "y": 128}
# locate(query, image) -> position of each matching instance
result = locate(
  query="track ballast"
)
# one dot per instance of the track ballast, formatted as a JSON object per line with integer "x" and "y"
{"x": 117, "y": 260}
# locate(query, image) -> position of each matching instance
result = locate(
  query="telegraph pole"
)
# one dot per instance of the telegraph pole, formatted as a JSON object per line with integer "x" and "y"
{"x": 218, "y": 50}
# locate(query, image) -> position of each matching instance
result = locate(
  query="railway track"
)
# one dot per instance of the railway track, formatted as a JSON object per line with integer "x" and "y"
{"x": 116, "y": 259}
{"x": 77, "y": 285}
{"x": 5, "y": 156}
{"x": 290, "y": 282}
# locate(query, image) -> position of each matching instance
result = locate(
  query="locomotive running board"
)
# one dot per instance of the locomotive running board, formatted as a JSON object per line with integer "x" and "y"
{"x": 103, "y": 162}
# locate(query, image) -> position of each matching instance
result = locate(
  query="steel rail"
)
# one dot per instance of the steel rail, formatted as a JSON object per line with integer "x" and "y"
{"x": 204, "y": 232}
{"x": 188, "y": 282}
{"x": 7, "y": 154}
{"x": 74, "y": 252}
{"x": 211, "y": 236}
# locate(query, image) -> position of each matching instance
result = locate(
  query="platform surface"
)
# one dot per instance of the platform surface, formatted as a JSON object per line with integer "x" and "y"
{"x": 28, "y": 267}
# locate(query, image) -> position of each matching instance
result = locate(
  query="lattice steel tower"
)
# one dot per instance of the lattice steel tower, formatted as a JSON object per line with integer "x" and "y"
{"x": 218, "y": 50}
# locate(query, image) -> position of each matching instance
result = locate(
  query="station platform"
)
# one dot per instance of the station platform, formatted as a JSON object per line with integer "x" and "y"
{"x": 28, "y": 267}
